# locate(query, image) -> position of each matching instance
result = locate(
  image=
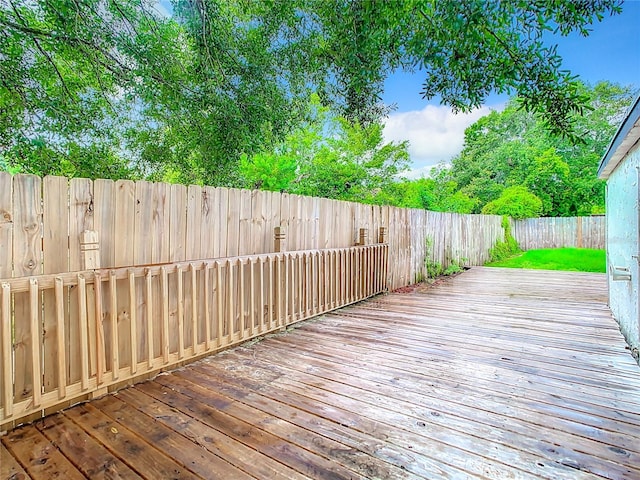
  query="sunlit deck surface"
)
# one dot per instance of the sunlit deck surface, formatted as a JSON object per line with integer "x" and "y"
{"x": 492, "y": 374}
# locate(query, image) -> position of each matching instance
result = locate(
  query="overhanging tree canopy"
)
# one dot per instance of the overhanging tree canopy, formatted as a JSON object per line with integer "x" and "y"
{"x": 187, "y": 95}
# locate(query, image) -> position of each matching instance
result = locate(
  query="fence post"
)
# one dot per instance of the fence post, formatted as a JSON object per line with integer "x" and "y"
{"x": 90, "y": 248}
{"x": 280, "y": 244}
{"x": 362, "y": 237}
{"x": 280, "y": 239}
{"x": 382, "y": 235}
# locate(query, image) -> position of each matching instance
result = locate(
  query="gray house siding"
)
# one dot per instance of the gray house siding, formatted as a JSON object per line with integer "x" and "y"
{"x": 620, "y": 166}
{"x": 622, "y": 244}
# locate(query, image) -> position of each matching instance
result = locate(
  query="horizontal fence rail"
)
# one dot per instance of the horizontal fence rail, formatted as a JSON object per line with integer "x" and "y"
{"x": 69, "y": 336}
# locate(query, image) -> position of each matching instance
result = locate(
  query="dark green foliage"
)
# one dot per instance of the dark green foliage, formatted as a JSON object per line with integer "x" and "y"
{"x": 515, "y": 202}
{"x": 467, "y": 49}
{"x": 506, "y": 248}
{"x": 513, "y": 148}
{"x": 328, "y": 157}
{"x": 452, "y": 269}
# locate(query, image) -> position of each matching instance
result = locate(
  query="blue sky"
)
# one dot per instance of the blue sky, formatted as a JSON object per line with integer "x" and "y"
{"x": 611, "y": 52}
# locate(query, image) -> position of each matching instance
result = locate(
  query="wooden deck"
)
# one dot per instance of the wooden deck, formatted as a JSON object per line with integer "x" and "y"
{"x": 492, "y": 374}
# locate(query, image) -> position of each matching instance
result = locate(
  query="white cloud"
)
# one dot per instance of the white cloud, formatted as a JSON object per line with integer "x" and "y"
{"x": 435, "y": 134}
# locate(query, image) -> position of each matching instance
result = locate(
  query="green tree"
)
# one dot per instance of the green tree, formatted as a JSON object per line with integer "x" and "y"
{"x": 329, "y": 157}
{"x": 516, "y": 202}
{"x": 466, "y": 48}
{"x": 547, "y": 178}
{"x": 513, "y": 147}
{"x": 242, "y": 88}
{"x": 435, "y": 193}
{"x": 269, "y": 171}
{"x": 69, "y": 72}
{"x": 181, "y": 97}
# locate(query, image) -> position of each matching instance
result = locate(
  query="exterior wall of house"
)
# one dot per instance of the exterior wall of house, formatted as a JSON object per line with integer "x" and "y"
{"x": 623, "y": 231}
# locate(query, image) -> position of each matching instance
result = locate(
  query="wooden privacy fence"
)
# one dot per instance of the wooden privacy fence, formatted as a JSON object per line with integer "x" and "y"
{"x": 71, "y": 335}
{"x": 452, "y": 238}
{"x": 141, "y": 223}
{"x": 558, "y": 232}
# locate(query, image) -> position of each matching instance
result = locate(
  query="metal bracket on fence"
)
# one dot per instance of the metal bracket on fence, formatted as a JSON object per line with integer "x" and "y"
{"x": 620, "y": 274}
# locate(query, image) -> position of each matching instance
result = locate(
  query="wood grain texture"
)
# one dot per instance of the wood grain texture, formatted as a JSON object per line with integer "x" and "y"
{"x": 178, "y": 223}
{"x": 27, "y": 261}
{"x": 494, "y": 373}
{"x": 87, "y": 454}
{"x": 10, "y": 468}
{"x": 38, "y": 455}
{"x": 125, "y": 202}
{"x": 55, "y": 243}
{"x": 6, "y": 224}
{"x": 125, "y": 208}
{"x": 6, "y": 343}
{"x": 208, "y": 220}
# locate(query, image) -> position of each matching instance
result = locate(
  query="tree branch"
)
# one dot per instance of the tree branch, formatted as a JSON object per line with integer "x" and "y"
{"x": 46, "y": 55}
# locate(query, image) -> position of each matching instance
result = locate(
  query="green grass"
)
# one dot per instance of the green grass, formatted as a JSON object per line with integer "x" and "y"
{"x": 573, "y": 259}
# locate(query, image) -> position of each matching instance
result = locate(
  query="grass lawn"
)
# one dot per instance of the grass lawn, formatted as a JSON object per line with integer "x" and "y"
{"x": 575, "y": 259}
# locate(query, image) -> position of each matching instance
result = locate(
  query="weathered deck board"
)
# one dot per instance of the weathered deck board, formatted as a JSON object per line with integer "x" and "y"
{"x": 491, "y": 374}
{"x": 9, "y": 466}
{"x": 89, "y": 456}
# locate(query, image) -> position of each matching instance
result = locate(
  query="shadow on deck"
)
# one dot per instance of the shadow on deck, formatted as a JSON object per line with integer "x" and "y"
{"x": 492, "y": 374}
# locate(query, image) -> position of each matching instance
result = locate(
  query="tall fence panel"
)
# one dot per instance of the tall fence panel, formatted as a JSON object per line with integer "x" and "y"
{"x": 558, "y": 232}
{"x": 143, "y": 223}
{"x": 447, "y": 238}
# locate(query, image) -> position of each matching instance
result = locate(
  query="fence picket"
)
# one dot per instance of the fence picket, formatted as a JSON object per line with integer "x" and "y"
{"x": 124, "y": 255}
{"x": 27, "y": 261}
{"x": 6, "y": 225}
{"x": 7, "y": 348}
{"x": 61, "y": 357}
{"x": 55, "y": 242}
{"x": 208, "y": 219}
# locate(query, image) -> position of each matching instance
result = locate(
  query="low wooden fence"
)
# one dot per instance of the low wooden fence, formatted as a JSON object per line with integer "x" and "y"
{"x": 558, "y": 232}
{"x": 70, "y": 336}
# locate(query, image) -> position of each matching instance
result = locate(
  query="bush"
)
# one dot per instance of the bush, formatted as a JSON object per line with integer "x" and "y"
{"x": 433, "y": 269}
{"x": 506, "y": 248}
{"x": 453, "y": 268}
{"x": 516, "y": 202}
